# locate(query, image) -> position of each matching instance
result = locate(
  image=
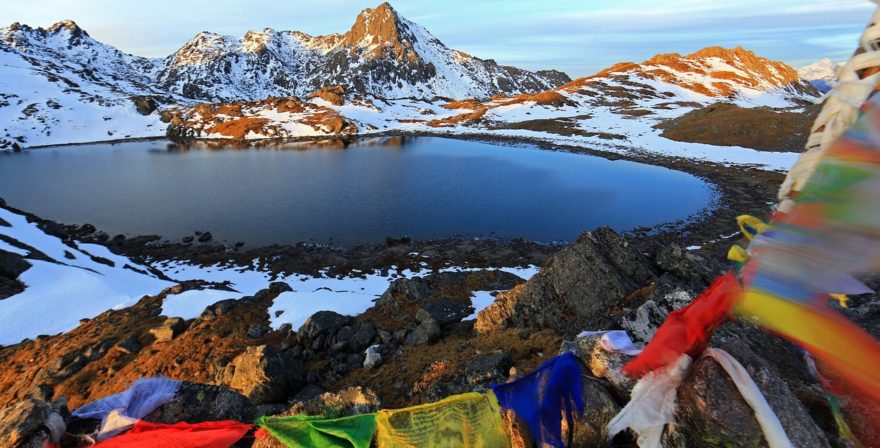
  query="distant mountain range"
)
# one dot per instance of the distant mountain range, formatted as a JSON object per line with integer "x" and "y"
{"x": 58, "y": 85}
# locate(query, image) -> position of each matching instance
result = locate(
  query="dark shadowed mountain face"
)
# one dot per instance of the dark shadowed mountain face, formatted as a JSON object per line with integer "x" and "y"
{"x": 382, "y": 54}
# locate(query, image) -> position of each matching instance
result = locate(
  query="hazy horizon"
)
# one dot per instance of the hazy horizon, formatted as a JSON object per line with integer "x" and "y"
{"x": 578, "y": 37}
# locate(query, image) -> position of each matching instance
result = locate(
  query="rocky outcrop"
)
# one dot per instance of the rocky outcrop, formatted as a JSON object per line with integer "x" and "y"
{"x": 584, "y": 286}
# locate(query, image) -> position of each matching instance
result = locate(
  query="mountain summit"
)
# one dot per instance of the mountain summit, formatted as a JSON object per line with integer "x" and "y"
{"x": 382, "y": 54}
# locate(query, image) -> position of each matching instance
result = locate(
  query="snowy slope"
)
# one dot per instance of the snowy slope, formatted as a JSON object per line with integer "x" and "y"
{"x": 68, "y": 282}
{"x": 58, "y": 85}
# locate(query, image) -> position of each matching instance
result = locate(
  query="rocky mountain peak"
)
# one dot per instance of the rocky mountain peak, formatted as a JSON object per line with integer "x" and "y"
{"x": 68, "y": 25}
{"x": 381, "y": 29}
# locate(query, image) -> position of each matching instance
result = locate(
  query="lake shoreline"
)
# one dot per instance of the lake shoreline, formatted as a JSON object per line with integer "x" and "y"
{"x": 738, "y": 190}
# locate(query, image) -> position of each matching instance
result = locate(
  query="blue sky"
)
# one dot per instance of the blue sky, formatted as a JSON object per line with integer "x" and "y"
{"x": 577, "y": 36}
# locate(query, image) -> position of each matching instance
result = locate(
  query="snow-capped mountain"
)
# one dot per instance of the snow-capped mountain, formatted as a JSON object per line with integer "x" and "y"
{"x": 58, "y": 85}
{"x": 382, "y": 54}
{"x": 624, "y": 109}
{"x": 715, "y": 72}
{"x": 821, "y": 74}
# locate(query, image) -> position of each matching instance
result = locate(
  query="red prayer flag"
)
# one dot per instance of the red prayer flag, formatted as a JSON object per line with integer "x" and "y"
{"x": 180, "y": 435}
{"x": 687, "y": 331}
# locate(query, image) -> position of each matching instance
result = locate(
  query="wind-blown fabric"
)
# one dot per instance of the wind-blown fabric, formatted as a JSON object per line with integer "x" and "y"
{"x": 470, "y": 420}
{"x": 143, "y": 397}
{"x": 652, "y": 404}
{"x": 687, "y": 331}
{"x": 544, "y": 397}
{"x": 180, "y": 435}
{"x": 318, "y": 432}
{"x": 829, "y": 233}
{"x": 133, "y": 404}
{"x": 774, "y": 433}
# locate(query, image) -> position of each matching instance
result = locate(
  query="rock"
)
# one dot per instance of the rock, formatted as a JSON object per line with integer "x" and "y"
{"x": 218, "y": 309}
{"x": 711, "y": 411}
{"x": 266, "y": 376}
{"x": 144, "y": 105}
{"x": 322, "y": 323}
{"x": 582, "y": 286}
{"x": 603, "y": 364}
{"x": 195, "y": 403}
{"x": 347, "y": 402}
{"x": 130, "y": 345}
{"x": 372, "y": 357}
{"x": 334, "y": 95}
{"x": 444, "y": 311}
{"x": 278, "y": 287}
{"x": 643, "y": 323}
{"x": 169, "y": 329}
{"x": 491, "y": 368}
{"x": 256, "y": 331}
{"x": 30, "y": 423}
{"x": 188, "y": 239}
{"x": 426, "y": 332}
{"x": 686, "y": 266}
{"x": 12, "y": 265}
{"x": 362, "y": 338}
{"x": 205, "y": 237}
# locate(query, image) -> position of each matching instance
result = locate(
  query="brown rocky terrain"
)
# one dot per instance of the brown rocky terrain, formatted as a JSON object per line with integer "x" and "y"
{"x": 759, "y": 128}
{"x": 423, "y": 350}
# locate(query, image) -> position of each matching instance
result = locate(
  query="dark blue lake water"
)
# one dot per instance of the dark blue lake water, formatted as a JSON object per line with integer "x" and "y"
{"x": 422, "y": 187}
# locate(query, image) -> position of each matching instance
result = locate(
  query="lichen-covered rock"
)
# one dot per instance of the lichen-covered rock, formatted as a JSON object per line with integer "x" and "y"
{"x": 195, "y": 403}
{"x": 266, "y": 376}
{"x": 31, "y": 423}
{"x": 581, "y": 287}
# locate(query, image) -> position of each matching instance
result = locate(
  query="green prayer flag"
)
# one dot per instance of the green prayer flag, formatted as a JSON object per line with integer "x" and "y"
{"x": 319, "y": 432}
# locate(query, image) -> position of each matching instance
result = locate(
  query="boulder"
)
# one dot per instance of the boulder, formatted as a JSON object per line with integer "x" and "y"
{"x": 266, "y": 376}
{"x": 31, "y": 423}
{"x": 130, "y": 345}
{"x": 583, "y": 286}
{"x": 372, "y": 357}
{"x": 491, "y": 368}
{"x": 195, "y": 403}
{"x": 144, "y": 105}
{"x": 426, "y": 332}
{"x": 710, "y": 411}
{"x": 322, "y": 323}
{"x": 169, "y": 329}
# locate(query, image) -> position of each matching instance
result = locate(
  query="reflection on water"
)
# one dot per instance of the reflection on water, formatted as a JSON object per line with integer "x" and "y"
{"x": 344, "y": 191}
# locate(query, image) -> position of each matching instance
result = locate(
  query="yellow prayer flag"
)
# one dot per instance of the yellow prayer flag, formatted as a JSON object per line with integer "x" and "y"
{"x": 470, "y": 420}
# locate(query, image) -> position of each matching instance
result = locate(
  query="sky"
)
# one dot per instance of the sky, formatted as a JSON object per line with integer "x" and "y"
{"x": 579, "y": 37}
